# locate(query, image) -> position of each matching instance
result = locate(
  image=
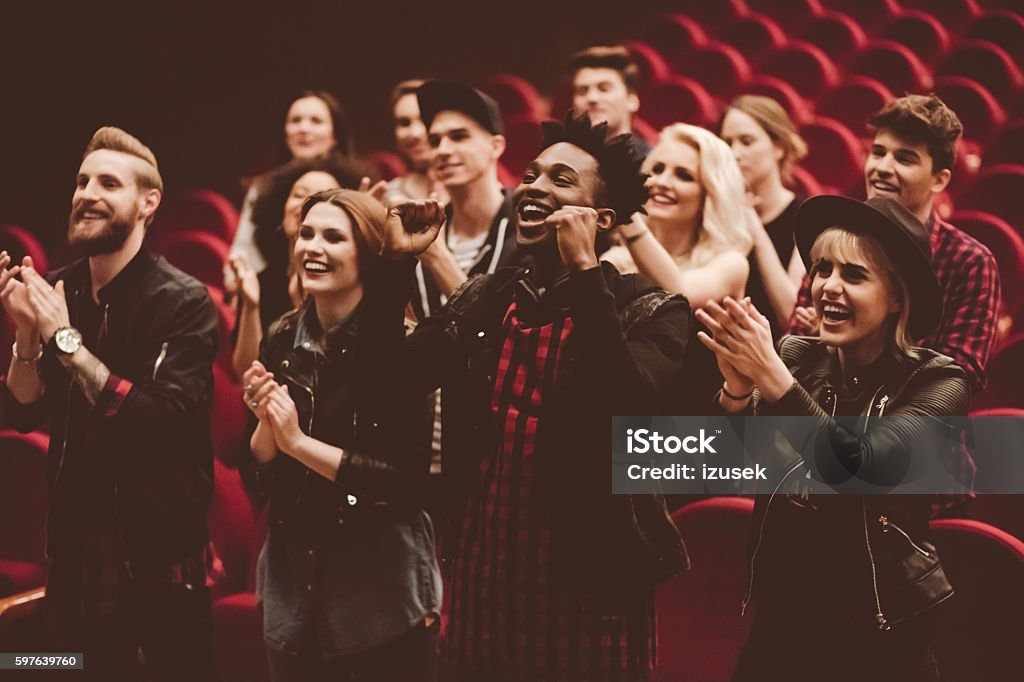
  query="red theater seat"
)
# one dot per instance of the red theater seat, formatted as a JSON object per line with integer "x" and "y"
{"x": 719, "y": 67}
{"x": 515, "y": 96}
{"x": 998, "y": 190}
{"x": 982, "y": 115}
{"x": 200, "y": 254}
{"x": 700, "y": 629}
{"x": 712, "y": 15}
{"x": 645, "y": 130}
{"x": 522, "y": 135}
{"x": 868, "y": 13}
{"x": 804, "y": 66}
{"x": 989, "y": 65}
{"x": 921, "y": 32}
{"x": 199, "y": 210}
{"x": 893, "y": 65}
{"x": 1000, "y": 27}
{"x": 790, "y": 14}
{"x": 228, "y": 414}
{"x": 679, "y": 100}
{"x": 1009, "y": 146}
{"x": 835, "y": 155}
{"x": 673, "y": 35}
{"x": 19, "y": 242}
{"x": 949, "y": 12}
{"x": 23, "y": 506}
{"x": 652, "y": 66}
{"x": 854, "y": 102}
{"x": 753, "y": 35}
{"x": 1007, "y": 246}
{"x": 978, "y": 628}
{"x": 806, "y": 184}
{"x": 388, "y": 164}
{"x": 835, "y": 33}
{"x": 783, "y": 93}
{"x": 1004, "y": 371}
{"x": 238, "y": 648}
{"x": 233, "y": 529}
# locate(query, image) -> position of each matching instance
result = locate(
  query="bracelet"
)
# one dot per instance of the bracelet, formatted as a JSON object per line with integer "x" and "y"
{"x": 638, "y": 235}
{"x": 737, "y": 398}
{"x": 25, "y": 361}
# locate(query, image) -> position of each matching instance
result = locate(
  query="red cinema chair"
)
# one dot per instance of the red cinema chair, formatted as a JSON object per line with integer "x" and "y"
{"x": 989, "y": 65}
{"x": 949, "y": 12}
{"x": 835, "y": 156}
{"x": 713, "y": 15}
{"x": 835, "y": 33}
{"x": 790, "y": 15}
{"x": 921, "y": 32}
{"x": 868, "y": 13}
{"x": 522, "y": 137}
{"x": 649, "y": 62}
{"x": 700, "y": 629}
{"x": 998, "y": 190}
{"x": 1000, "y": 27}
{"x": 854, "y": 102}
{"x": 753, "y": 35}
{"x": 719, "y": 67}
{"x": 19, "y": 242}
{"x": 388, "y": 164}
{"x": 673, "y": 34}
{"x": 679, "y": 100}
{"x": 200, "y": 254}
{"x": 982, "y": 115}
{"x": 804, "y": 66}
{"x": 199, "y": 210}
{"x": 1004, "y": 371}
{"x": 1009, "y": 146}
{"x": 515, "y": 96}
{"x": 892, "y": 64}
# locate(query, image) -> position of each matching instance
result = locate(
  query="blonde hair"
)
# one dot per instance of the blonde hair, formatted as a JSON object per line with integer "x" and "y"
{"x": 779, "y": 127}
{"x": 723, "y": 219}
{"x": 147, "y": 174}
{"x": 838, "y": 244}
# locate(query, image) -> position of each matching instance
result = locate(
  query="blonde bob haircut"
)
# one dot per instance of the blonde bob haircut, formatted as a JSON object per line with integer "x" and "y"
{"x": 723, "y": 215}
{"x": 843, "y": 246}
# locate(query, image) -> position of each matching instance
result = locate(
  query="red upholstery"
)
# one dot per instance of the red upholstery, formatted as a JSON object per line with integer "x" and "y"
{"x": 515, "y": 96}
{"x": 1004, "y": 371}
{"x": 783, "y": 93}
{"x": 228, "y": 416}
{"x": 200, "y": 254}
{"x": 892, "y": 64}
{"x": 652, "y": 66}
{"x": 679, "y": 100}
{"x": 949, "y": 12}
{"x": 998, "y": 466}
{"x": 19, "y": 242}
{"x": 790, "y": 14}
{"x": 1006, "y": 245}
{"x": 700, "y": 630}
{"x": 712, "y": 15}
{"x": 673, "y": 35}
{"x": 23, "y": 507}
{"x": 1009, "y": 146}
{"x": 921, "y": 32}
{"x": 388, "y": 164}
{"x": 998, "y": 190}
{"x": 199, "y": 210}
{"x": 982, "y": 115}
{"x": 645, "y": 130}
{"x": 868, "y": 13}
{"x": 854, "y": 102}
{"x": 753, "y": 35}
{"x": 806, "y": 184}
{"x": 978, "y": 635}
{"x": 835, "y": 155}
{"x": 719, "y": 67}
{"x": 1001, "y": 27}
{"x": 804, "y": 66}
{"x": 238, "y": 648}
{"x": 522, "y": 134}
{"x": 988, "y": 64}
{"x": 836, "y": 33}
{"x": 233, "y": 529}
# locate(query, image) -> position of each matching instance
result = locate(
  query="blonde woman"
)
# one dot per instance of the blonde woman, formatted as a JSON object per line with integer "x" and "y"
{"x": 695, "y": 237}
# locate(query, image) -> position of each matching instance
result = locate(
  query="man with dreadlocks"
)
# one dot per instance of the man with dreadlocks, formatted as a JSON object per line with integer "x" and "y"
{"x": 552, "y": 576}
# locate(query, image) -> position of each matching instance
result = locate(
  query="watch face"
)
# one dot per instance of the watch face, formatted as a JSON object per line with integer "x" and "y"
{"x": 68, "y": 339}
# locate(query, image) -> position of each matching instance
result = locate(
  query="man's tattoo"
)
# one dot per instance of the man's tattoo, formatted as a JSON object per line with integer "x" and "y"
{"x": 88, "y": 372}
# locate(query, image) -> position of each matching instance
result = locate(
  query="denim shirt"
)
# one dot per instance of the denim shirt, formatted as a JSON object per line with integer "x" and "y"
{"x": 358, "y": 572}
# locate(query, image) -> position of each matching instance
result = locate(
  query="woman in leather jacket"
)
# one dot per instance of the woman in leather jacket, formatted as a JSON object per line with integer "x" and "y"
{"x": 843, "y": 584}
{"x": 347, "y": 579}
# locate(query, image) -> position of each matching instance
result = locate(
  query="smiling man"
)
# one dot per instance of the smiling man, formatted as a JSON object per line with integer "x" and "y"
{"x": 605, "y": 81}
{"x": 116, "y": 351}
{"x": 551, "y": 575}
{"x": 465, "y": 135}
{"x": 911, "y": 160}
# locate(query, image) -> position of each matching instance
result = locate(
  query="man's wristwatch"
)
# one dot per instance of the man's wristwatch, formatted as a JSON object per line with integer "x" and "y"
{"x": 67, "y": 340}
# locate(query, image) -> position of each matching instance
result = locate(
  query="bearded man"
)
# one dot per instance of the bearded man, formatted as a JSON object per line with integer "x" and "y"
{"x": 116, "y": 350}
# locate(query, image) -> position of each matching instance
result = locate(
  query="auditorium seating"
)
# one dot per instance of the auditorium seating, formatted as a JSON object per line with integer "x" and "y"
{"x": 198, "y": 210}
{"x": 979, "y": 111}
{"x": 792, "y": 13}
{"x": 853, "y": 102}
{"x": 998, "y": 190}
{"x": 515, "y": 96}
{"x": 522, "y": 135}
{"x": 649, "y": 62}
{"x": 921, "y": 32}
{"x": 1004, "y": 371}
{"x": 989, "y": 65}
{"x": 835, "y": 33}
{"x": 673, "y": 35}
{"x": 1002, "y": 28}
{"x": 699, "y": 621}
{"x": 679, "y": 99}
{"x": 835, "y": 155}
{"x": 753, "y": 35}
{"x": 387, "y": 164}
{"x": 804, "y": 66}
{"x": 892, "y": 64}
{"x": 869, "y": 13}
{"x": 23, "y": 508}
{"x": 200, "y": 254}
{"x": 19, "y": 242}
{"x": 978, "y": 628}
{"x": 1007, "y": 246}
{"x": 720, "y": 68}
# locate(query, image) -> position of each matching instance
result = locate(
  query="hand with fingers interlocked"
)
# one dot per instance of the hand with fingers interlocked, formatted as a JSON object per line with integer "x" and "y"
{"x": 14, "y": 295}
{"x": 48, "y": 303}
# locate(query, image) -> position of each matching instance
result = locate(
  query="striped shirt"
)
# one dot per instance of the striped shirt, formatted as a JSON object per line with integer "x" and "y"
{"x": 512, "y": 615}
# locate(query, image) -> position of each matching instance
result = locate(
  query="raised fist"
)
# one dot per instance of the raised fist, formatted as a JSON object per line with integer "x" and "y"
{"x": 411, "y": 227}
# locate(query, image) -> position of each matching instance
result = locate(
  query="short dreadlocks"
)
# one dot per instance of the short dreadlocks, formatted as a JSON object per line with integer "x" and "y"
{"x": 617, "y": 162}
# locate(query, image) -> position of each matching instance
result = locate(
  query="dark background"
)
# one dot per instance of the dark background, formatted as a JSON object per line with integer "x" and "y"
{"x": 206, "y": 85}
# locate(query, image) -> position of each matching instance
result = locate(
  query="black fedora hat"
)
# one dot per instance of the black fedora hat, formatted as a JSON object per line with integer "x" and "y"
{"x": 440, "y": 95}
{"x": 902, "y": 236}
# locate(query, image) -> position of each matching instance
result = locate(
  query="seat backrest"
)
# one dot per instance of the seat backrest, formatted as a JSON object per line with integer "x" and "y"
{"x": 981, "y": 114}
{"x": 790, "y": 15}
{"x": 649, "y": 62}
{"x": 753, "y": 35}
{"x": 921, "y": 32}
{"x": 673, "y": 34}
{"x": 23, "y": 496}
{"x": 892, "y": 64}
{"x": 515, "y": 96}
{"x": 719, "y": 67}
{"x": 678, "y": 100}
{"x": 712, "y": 15}
{"x": 19, "y": 242}
{"x": 1001, "y": 27}
{"x": 233, "y": 530}
{"x": 1003, "y": 371}
{"x": 989, "y": 65}
{"x": 200, "y": 254}
{"x": 978, "y": 629}
{"x": 804, "y": 66}
{"x": 949, "y": 12}
{"x": 387, "y": 164}
{"x": 854, "y": 102}
{"x": 1009, "y": 146}
{"x": 522, "y": 136}
{"x": 838, "y": 34}
{"x": 199, "y": 210}
{"x": 997, "y": 190}
{"x": 1006, "y": 245}
{"x": 835, "y": 156}
{"x": 701, "y": 631}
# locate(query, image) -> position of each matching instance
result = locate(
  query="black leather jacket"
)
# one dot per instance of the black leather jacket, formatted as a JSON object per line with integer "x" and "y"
{"x": 878, "y": 541}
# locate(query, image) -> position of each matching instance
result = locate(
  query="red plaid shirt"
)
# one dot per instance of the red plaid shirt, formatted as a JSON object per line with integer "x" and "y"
{"x": 512, "y": 614}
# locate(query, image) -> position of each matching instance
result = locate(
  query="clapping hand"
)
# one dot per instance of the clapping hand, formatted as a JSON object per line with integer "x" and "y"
{"x": 14, "y": 295}
{"x": 48, "y": 303}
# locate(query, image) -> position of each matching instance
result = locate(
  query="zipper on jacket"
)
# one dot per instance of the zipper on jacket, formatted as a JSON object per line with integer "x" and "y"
{"x": 160, "y": 359}
{"x": 887, "y": 524}
{"x": 883, "y": 624}
{"x": 760, "y": 536}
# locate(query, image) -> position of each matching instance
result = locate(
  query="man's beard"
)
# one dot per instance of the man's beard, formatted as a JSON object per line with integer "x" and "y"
{"x": 106, "y": 239}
